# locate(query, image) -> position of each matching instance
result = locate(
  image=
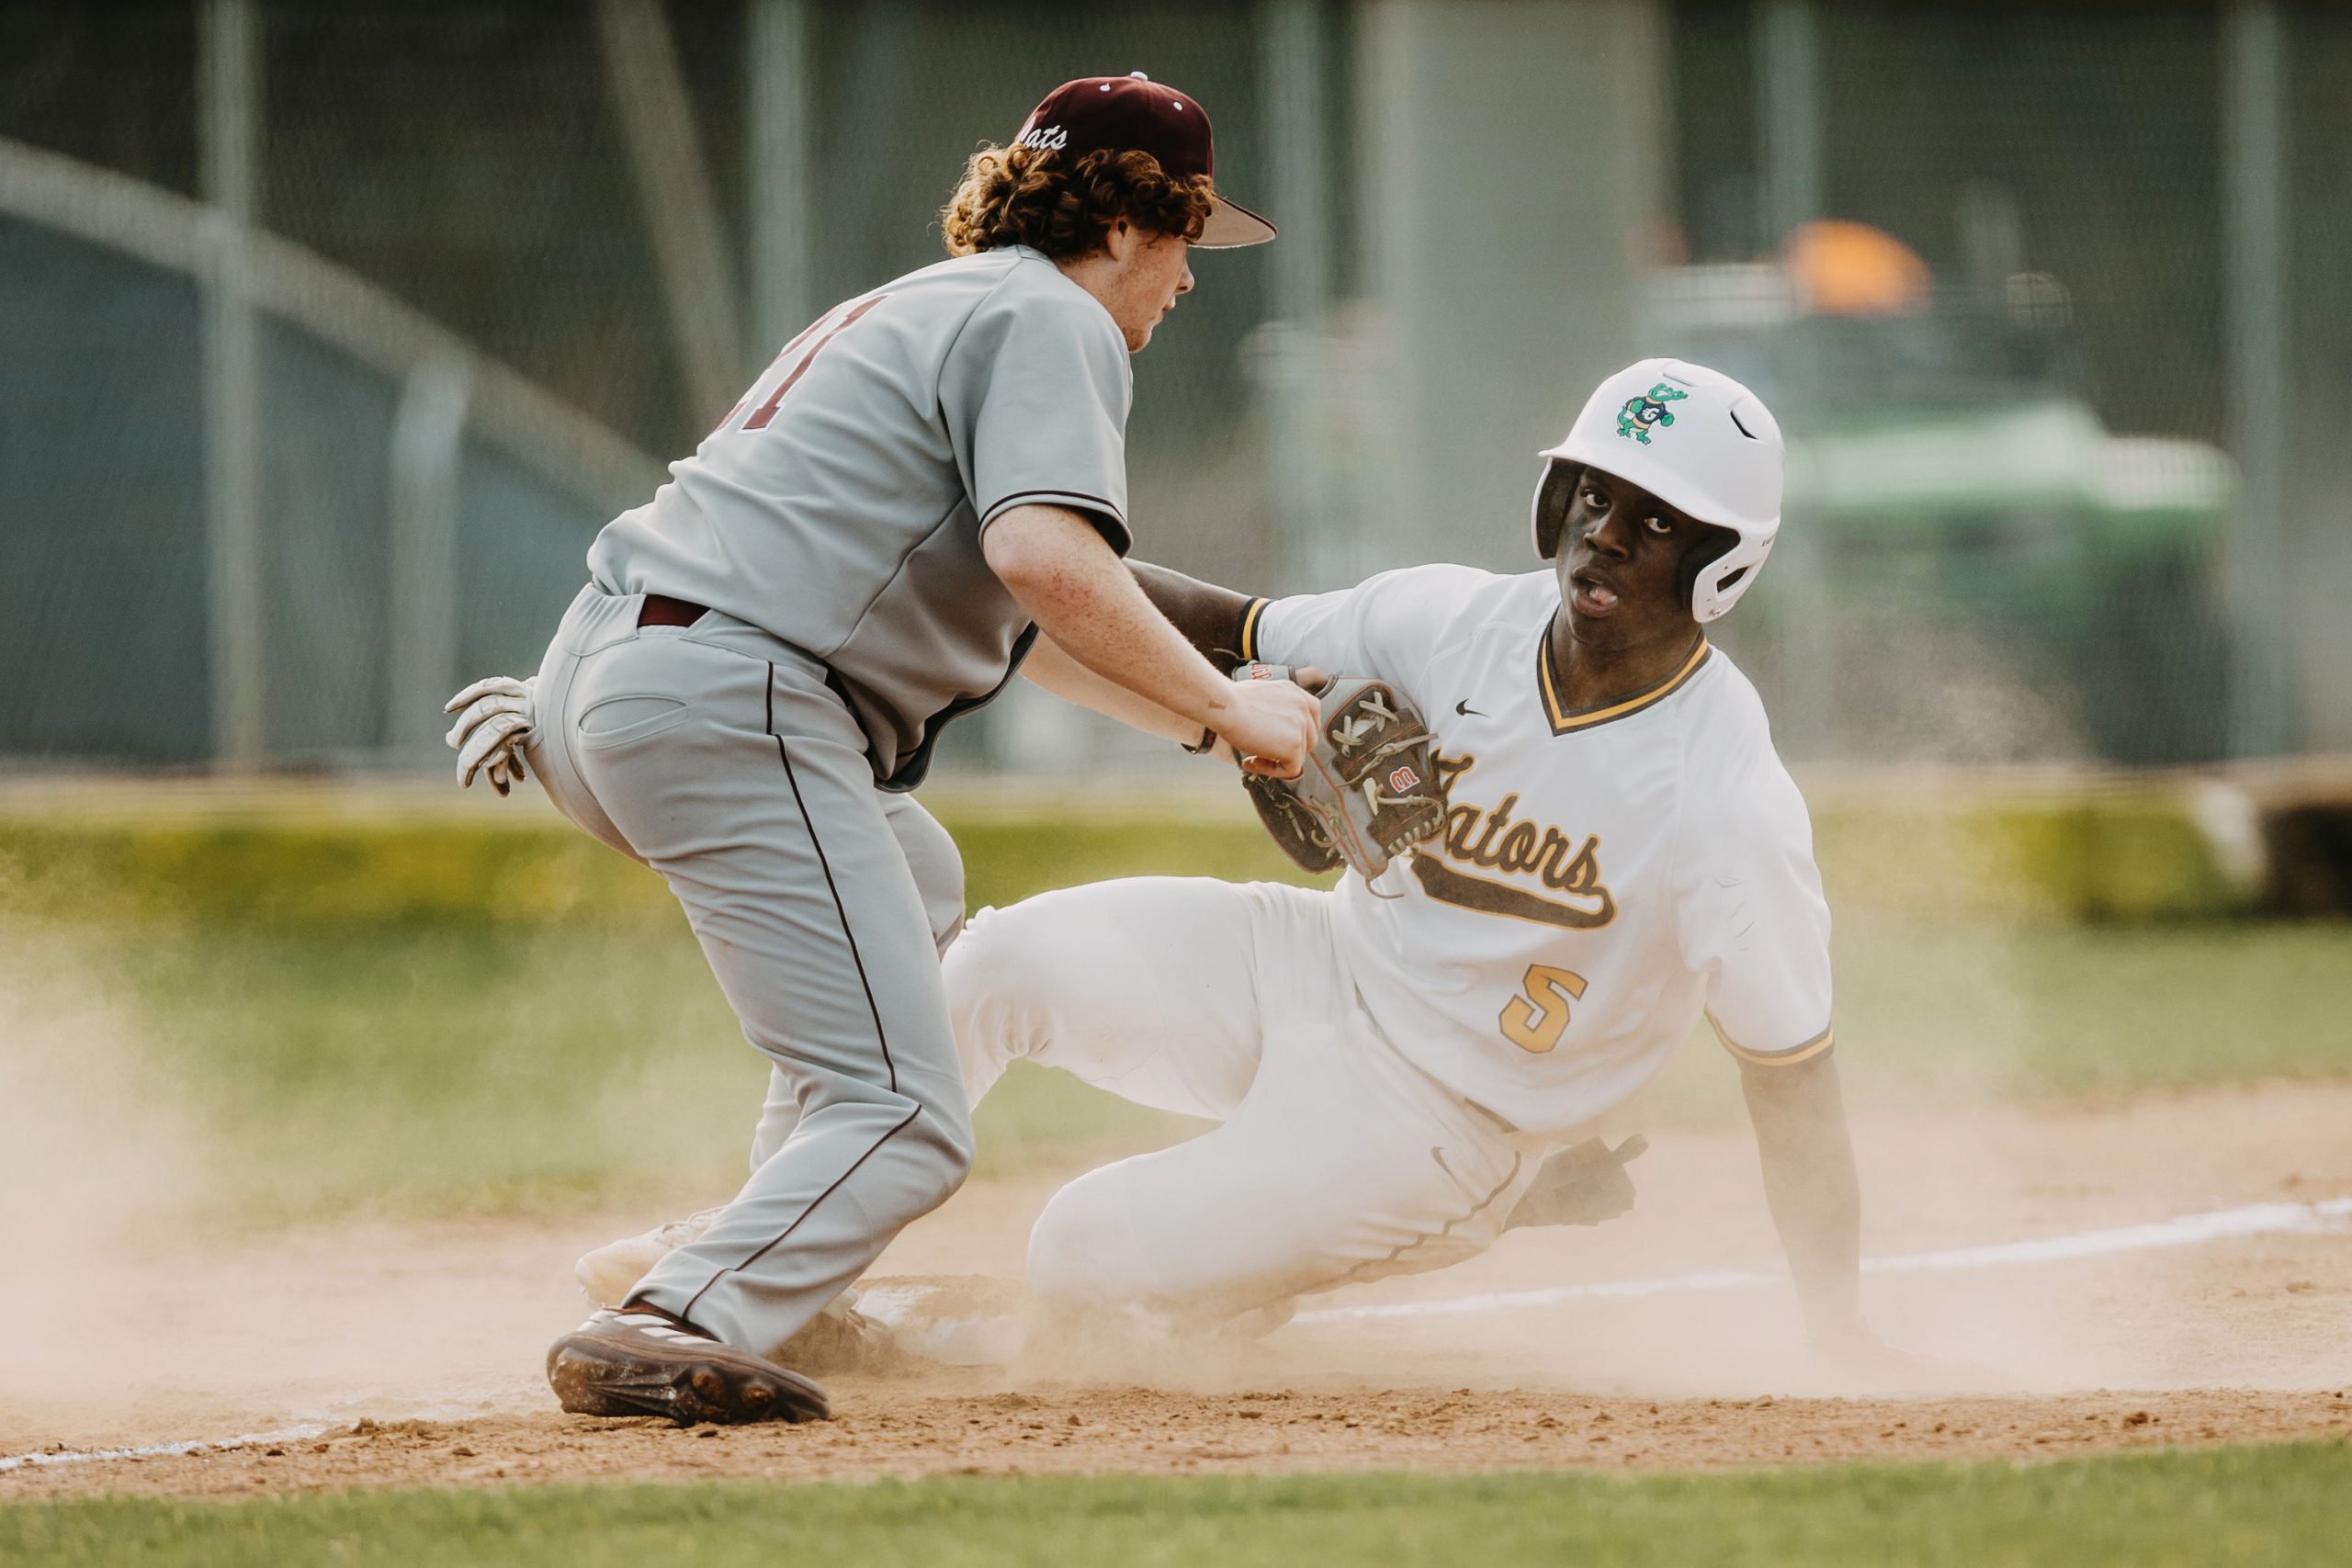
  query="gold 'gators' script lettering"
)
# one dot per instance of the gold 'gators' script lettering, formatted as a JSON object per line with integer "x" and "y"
{"x": 1567, "y": 873}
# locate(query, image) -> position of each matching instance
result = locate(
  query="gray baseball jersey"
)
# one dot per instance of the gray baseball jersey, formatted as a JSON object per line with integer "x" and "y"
{"x": 839, "y": 507}
{"x": 831, "y": 526}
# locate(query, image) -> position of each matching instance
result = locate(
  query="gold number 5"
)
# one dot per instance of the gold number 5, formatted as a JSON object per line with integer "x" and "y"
{"x": 1534, "y": 1022}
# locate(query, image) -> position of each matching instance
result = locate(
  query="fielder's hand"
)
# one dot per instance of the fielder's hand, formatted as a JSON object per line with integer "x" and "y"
{"x": 497, "y": 717}
{"x": 1367, "y": 792}
{"x": 1272, "y": 726}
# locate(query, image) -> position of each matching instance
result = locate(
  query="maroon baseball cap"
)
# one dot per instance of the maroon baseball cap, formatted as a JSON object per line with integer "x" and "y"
{"x": 1136, "y": 114}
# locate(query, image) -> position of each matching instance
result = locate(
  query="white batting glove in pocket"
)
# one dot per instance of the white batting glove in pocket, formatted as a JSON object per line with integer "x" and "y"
{"x": 495, "y": 717}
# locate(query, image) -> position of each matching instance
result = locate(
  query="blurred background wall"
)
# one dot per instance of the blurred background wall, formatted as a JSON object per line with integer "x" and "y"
{"x": 329, "y": 335}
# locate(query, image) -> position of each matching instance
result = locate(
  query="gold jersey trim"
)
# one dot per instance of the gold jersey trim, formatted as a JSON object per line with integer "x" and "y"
{"x": 1803, "y": 1052}
{"x": 1564, "y": 722}
{"x": 1249, "y": 648}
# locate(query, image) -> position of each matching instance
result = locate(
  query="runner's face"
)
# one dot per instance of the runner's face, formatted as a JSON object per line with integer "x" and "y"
{"x": 1149, "y": 271}
{"x": 1620, "y": 563}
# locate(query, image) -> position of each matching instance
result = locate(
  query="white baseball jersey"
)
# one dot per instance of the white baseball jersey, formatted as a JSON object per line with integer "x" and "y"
{"x": 1603, "y": 878}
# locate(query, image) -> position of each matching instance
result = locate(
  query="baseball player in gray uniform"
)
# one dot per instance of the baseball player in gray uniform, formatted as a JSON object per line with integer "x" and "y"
{"x": 928, "y": 486}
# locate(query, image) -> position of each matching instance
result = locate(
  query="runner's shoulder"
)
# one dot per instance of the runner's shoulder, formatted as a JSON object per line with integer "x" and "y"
{"x": 1730, "y": 765}
{"x": 1440, "y": 587}
{"x": 1454, "y": 604}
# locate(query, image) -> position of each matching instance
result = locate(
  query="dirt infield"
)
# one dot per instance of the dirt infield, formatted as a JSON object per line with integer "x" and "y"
{"x": 900, "y": 1433}
{"x": 407, "y": 1354}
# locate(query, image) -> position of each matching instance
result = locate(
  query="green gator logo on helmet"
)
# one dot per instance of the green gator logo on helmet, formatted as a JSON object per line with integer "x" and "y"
{"x": 1641, "y": 415}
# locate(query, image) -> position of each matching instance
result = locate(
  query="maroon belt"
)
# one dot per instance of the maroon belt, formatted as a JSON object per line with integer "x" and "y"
{"x": 660, "y": 610}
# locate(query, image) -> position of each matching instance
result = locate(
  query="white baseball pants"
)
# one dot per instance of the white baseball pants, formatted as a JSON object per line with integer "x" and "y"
{"x": 1338, "y": 1160}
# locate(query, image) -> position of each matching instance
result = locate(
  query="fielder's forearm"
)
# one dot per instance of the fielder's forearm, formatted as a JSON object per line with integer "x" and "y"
{"x": 1808, "y": 1164}
{"x": 1208, "y": 616}
{"x": 1084, "y": 599}
{"x": 1053, "y": 670}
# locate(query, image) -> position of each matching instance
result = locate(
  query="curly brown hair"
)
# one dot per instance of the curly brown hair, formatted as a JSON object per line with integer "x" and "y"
{"x": 1020, "y": 196}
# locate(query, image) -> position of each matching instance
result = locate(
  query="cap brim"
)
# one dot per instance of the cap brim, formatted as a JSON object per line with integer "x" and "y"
{"x": 1231, "y": 226}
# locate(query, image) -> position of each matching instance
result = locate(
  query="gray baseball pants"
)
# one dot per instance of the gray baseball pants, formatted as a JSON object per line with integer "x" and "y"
{"x": 716, "y": 754}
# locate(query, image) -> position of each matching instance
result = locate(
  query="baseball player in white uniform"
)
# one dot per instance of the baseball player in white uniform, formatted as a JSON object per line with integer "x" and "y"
{"x": 1391, "y": 1062}
{"x": 927, "y": 486}
{"x": 1624, "y": 853}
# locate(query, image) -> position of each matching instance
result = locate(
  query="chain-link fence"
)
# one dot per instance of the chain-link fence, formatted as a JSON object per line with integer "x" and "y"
{"x": 2047, "y": 298}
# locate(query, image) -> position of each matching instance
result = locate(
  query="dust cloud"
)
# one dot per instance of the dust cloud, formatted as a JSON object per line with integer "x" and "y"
{"x": 97, "y": 1165}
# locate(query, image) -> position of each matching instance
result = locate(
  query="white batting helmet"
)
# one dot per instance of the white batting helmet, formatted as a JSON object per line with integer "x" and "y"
{"x": 1693, "y": 438}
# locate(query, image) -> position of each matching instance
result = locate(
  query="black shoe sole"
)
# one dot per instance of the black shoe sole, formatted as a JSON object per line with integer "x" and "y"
{"x": 629, "y": 1374}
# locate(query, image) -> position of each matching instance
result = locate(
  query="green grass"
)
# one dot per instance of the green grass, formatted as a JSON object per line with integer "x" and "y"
{"x": 470, "y": 1067}
{"x": 2102, "y": 849}
{"x": 2244, "y": 1507}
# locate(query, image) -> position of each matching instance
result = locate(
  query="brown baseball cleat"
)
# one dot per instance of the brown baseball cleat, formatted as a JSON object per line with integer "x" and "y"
{"x": 643, "y": 1363}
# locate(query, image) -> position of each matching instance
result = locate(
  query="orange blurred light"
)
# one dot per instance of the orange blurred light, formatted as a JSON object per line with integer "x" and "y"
{"x": 1840, "y": 268}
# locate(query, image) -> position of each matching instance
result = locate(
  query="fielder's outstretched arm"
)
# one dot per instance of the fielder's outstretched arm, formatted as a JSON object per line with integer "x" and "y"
{"x": 1808, "y": 1160}
{"x": 1207, "y": 617}
{"x": 1062, "y": 573}
{"x": 1051, "y": 670}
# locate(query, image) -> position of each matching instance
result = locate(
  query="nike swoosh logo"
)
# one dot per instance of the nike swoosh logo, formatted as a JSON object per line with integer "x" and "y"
{"x": 1466, "y": 711}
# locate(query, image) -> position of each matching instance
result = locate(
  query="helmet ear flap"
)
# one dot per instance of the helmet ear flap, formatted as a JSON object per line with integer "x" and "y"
{"x": 1713, "y": 544}
{"x": 1553, "y": 493}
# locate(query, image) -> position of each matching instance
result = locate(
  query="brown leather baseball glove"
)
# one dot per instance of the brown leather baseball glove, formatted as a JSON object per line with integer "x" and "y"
{"x": 1369, "y": 791}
